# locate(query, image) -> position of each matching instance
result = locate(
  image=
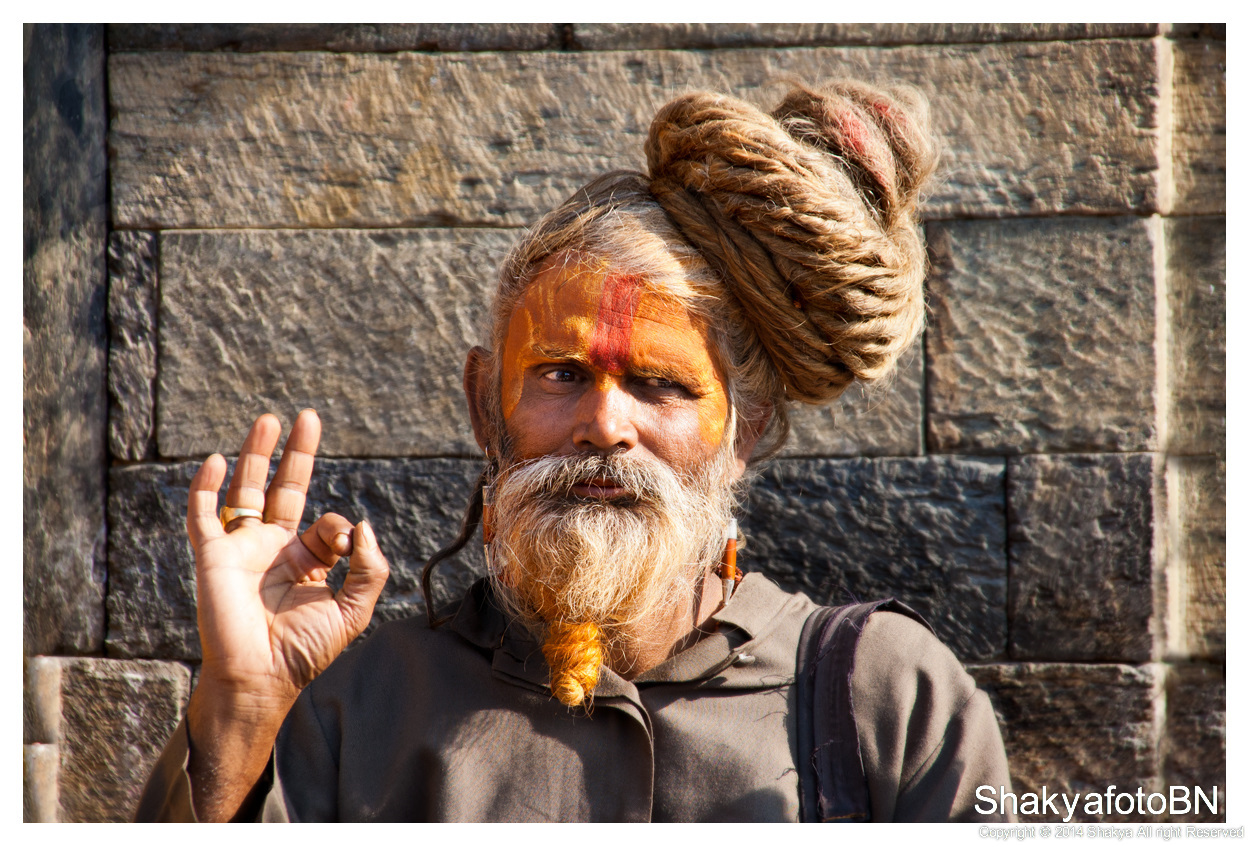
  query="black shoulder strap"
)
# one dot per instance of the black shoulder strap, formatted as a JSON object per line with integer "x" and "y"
{"x": 832, "y": 783}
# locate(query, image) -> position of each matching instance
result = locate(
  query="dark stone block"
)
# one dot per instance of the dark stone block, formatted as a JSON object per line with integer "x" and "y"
{"x": 1195, "y": 750}
{"x": 1198, "y": 325}
{"x": 64, "y": 338}
{"x": 929, "y": 531}
{"x": 415, "y": 507}
{"x": 132, "y": 344}
{"x": 1078, "y": 729}
{"x": 1083, "y": 544}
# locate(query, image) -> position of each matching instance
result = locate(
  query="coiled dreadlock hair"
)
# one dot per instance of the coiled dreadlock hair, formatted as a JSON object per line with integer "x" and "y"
{"x": 793, "y": 234}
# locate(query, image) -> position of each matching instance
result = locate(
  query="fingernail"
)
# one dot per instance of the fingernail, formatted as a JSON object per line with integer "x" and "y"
{"x": 342, "y": 541}
{"x": 367, "y": 532}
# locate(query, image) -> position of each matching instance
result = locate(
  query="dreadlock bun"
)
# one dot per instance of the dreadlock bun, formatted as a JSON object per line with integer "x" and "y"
{"x": 809, "y": 215}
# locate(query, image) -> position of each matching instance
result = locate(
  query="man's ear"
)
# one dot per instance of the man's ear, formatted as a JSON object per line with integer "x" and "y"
{"x": 476, "y": 391}
{"x": 748, "y": 435}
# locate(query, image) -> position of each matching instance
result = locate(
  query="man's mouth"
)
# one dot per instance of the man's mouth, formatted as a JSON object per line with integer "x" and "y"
{"x": 599, "y": 488}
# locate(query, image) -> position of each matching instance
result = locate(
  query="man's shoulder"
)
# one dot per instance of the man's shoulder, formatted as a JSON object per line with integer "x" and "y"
{"x": 899, "y": 661}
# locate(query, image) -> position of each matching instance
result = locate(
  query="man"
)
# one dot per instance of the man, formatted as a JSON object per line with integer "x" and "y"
{"x": 646, "y": 339}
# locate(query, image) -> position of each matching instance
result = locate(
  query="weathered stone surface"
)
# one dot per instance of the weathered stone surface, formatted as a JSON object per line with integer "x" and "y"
{"x": 703, "y": 36}
{"x": 883, "y": 420}
{"x": 1199, "y": 127}
{"x": 41, "y": 700}
{"x": 1200, "y": 545}
{"x": 340, "y": 38}
{"x": 1195, "y": 750}
{"x": 1042, "y": 336}
{"x": 1197, "y": 324}
{"x": 64, "y": 404}
{"x": 415, "y": 507}
{"x": 930, "y": 532}
{"x": 116, "y": 717}
{"x": 132, "y": 344}
{"x": 39, "y": 783}
{"x": 495, "y": 139}
{"x": 1216, "y": 31}
{"x": 1078, "y": 729}
{"x": 371, "y": 328}
{"x": 1084, "y": 542}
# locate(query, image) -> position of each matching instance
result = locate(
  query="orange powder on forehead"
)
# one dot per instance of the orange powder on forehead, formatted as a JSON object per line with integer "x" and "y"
{"x": 619, "y": 327}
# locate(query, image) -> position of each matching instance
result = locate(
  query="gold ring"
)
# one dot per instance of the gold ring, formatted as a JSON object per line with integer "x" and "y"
{"x": 230, "y": 513}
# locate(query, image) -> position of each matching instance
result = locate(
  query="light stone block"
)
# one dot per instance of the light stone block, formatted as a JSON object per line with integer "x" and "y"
{"x": 116, "y": 717}
{"x": 696, "y": 36}
{"x": 1042, "y": 336}
{"x": 886, "y": 419}
{"x": 1200, "y": 546}
{"x": 1199, "y": 127}
{"x": 496, "y": 139}
{"x": 1078, "y": 729}
{"x": 339, "y": 38}
{"x": 370, "y": 328}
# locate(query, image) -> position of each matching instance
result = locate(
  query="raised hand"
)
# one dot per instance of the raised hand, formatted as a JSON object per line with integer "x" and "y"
{"x": 269, "y": 624}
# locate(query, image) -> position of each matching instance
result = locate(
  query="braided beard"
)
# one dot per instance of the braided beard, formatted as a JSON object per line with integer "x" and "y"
{"x": 560, "y": 561}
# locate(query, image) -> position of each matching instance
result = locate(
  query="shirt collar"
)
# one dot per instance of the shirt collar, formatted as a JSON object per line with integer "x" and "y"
{"x": 740, "y": 654}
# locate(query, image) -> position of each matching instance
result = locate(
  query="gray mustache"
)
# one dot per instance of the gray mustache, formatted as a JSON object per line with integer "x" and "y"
{"x": 555, "y": 476}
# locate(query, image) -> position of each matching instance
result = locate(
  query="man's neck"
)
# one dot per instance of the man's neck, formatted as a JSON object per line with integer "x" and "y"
{"x": 659, "y": 640}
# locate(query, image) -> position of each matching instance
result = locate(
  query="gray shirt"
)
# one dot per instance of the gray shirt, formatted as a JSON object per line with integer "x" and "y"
{"x": 457, "y": 724}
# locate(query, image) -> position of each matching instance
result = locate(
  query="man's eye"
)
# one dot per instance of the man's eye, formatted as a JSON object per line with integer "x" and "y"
{"x": 662, "y": 384}
{"x": 560, "y": 375}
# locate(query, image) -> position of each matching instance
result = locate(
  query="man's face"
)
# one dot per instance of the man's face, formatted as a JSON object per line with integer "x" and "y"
{"x": 593, "y": 363}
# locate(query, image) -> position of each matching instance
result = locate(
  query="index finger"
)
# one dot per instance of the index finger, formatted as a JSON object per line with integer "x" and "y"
{"x": 284, "y": 499}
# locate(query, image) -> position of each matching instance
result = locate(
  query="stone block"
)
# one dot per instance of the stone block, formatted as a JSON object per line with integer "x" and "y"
{"x": 1042, "y": 336}
{"x": 1199, "y": 544}
{"x": 886, "y": 419}
{"x": 41, "y": 700}
{"x": 64, "y": 338}
{"x": 1195, "y": 750}
{"x": 132, "y": 344}
{"x": 338, "y": 38}
{"x": 1199, "y": 127}
{"x": 929, "y": 531}
{"x": 1197, "y": 326}
{"x": 203, "y": 139}
{"x": 1078, "y": 729}
{"x": 371, "y": 328}
{"x": 115, "y": 717}
{"x": 670, "y": 36}
{"x": 415, "y": 507}
{"x": 40, "y": 768}
{"x": 1084, "y": 546}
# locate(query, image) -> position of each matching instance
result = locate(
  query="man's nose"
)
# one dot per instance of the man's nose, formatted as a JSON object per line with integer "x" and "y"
{"x": 605, "y": 419}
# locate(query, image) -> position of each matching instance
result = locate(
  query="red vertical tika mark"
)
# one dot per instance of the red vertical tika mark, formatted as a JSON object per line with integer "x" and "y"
{"x": 609, "y": 345}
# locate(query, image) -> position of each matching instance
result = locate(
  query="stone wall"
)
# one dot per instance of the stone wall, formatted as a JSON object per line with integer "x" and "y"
{"x": 311, "y": 215}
